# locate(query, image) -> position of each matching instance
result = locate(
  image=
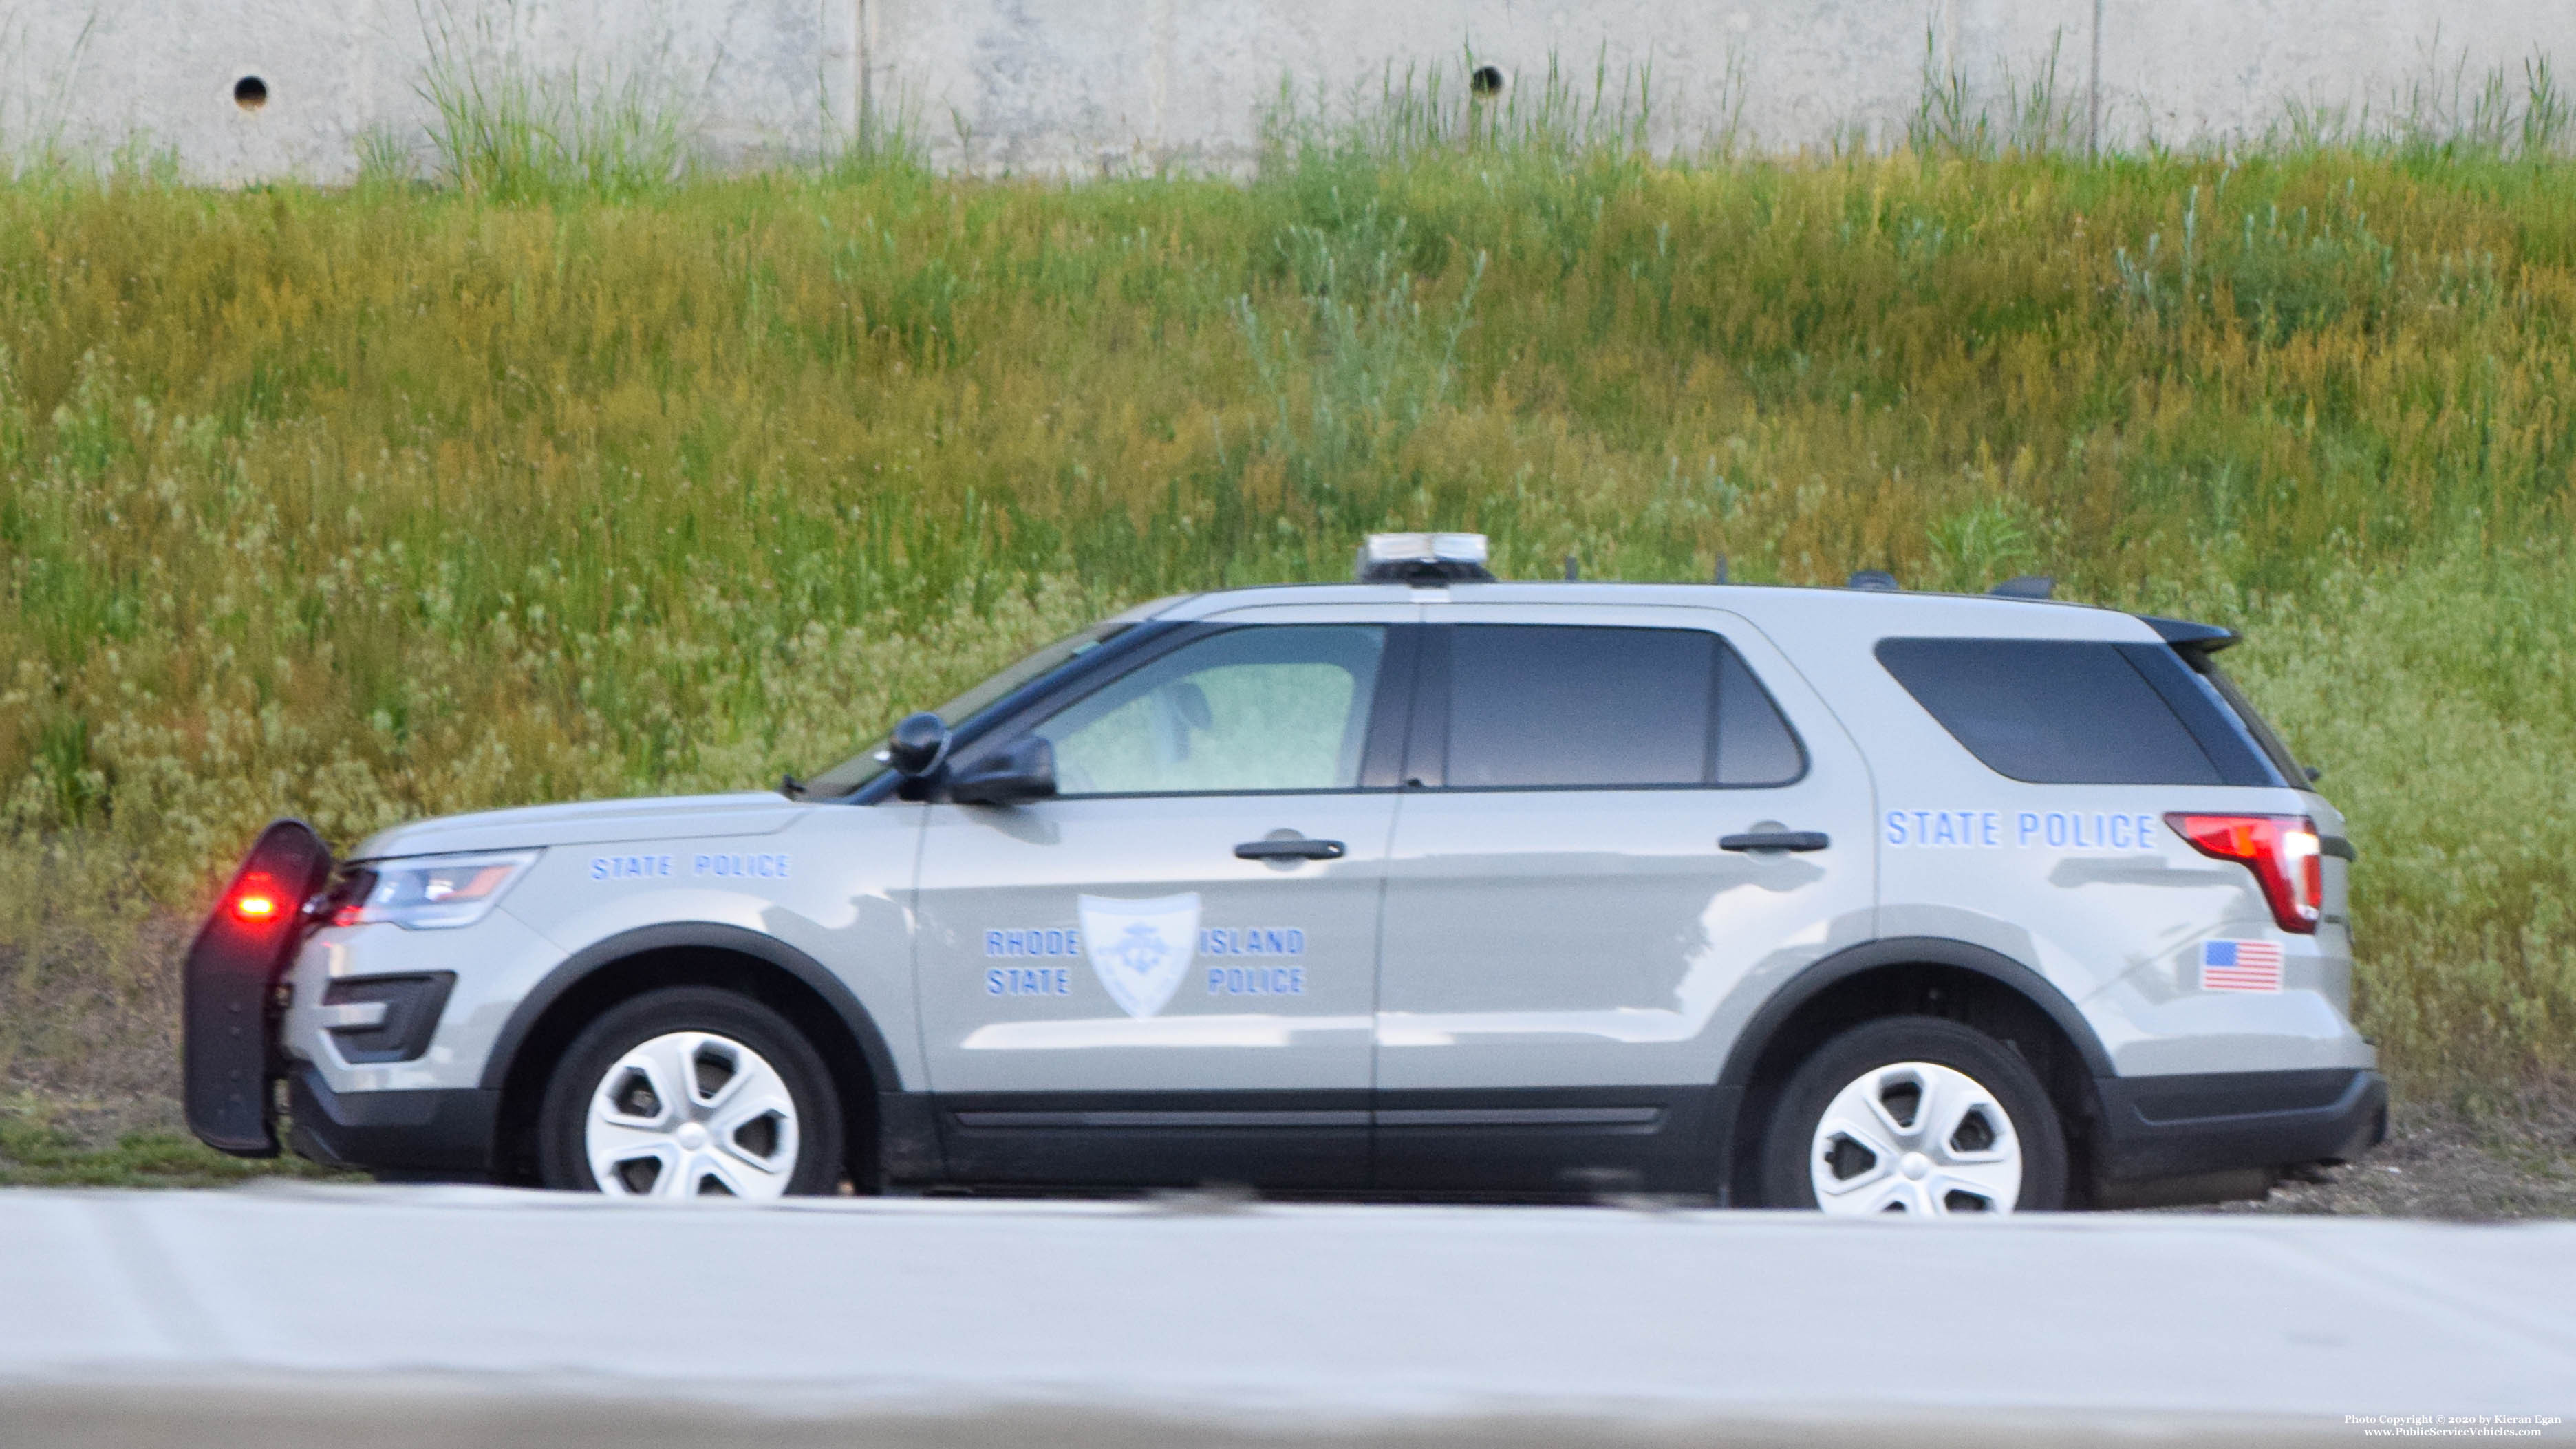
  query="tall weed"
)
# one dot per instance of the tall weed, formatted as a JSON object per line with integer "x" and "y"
{"x": 397, "y": 501}
{"x": 510, "y": 130}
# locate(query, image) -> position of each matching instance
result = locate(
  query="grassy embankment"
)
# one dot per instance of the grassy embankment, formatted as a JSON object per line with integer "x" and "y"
{"x": 400, "y": 501}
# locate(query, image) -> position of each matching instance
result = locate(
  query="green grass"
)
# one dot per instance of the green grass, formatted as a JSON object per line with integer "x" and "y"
{"x": 35, "y": 1151}
{"x": 400, "y": 501}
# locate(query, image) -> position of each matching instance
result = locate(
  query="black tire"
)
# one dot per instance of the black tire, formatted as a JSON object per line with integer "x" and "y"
{"x": 563, "y": 1118}
{"x": 1784, "y": 1171}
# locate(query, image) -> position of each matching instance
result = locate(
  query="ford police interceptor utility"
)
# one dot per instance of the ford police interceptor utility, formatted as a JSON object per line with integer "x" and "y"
{"x": 1844, "y": 898}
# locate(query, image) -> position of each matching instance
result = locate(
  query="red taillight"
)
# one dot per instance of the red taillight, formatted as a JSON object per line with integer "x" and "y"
{"x": 2281, "y": 850}
{"x": 257, "y": 902}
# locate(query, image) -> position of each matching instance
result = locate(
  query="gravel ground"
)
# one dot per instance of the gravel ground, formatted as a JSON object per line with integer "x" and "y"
{"x": 2515, "y": 1159}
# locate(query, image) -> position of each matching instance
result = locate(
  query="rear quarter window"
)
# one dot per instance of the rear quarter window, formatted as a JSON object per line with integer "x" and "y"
{"x": 2076, "y": 712}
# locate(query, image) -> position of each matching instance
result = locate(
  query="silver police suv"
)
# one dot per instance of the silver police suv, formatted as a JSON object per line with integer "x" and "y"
{"x": 1427, "y": 884}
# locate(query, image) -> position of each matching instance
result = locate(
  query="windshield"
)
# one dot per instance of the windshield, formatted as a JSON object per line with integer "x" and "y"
{"x": 866, "y": 765}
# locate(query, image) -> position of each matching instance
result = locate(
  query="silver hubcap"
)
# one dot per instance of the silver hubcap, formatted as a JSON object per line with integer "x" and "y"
{"x": 1918, "y": 1138}
{"x": 691, "y": 1114}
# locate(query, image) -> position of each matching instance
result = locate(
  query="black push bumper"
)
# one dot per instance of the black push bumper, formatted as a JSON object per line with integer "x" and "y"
{"x": 230, "y": 981}
{"x": 234, "y": 982}
{"x": 2178, "y": 1126}
{"x": 422, "y": 1134}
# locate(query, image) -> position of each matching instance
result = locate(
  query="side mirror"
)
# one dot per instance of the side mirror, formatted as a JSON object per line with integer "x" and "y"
{"x": 917, "y": 743}
{"x": 1022, "y": 770}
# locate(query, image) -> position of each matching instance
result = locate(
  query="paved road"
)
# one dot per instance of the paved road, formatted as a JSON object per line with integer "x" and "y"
{"x": 387, "y": 1316}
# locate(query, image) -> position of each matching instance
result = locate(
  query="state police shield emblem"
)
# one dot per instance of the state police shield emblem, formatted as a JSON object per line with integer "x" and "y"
{"x": 1141, "y": 949}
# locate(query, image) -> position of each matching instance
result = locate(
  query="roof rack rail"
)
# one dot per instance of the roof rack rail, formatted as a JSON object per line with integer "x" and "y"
{"x": 2027, "y": 586}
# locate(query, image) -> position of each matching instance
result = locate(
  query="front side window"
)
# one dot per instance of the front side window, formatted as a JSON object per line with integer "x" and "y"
{"x": 1558, "y": 707}
{"x": 1267, "y": 707}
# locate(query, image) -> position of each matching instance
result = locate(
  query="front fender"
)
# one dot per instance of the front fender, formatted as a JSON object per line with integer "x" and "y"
{"x": 604, "y": 954}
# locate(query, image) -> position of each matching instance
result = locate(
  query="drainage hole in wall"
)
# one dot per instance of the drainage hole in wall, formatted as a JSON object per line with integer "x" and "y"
{"x": 250, "y": 93}
{"x": 1485, "y": 80}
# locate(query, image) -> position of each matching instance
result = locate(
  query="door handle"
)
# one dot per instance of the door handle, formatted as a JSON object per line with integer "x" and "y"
{"x": 1290, "y": 850}
{"x": 1775, "y": 840}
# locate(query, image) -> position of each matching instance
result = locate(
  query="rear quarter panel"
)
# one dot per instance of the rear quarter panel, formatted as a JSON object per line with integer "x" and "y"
{"x": 2085, "y": 884}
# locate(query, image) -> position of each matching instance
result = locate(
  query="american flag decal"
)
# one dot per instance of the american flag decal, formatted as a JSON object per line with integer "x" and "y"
{"x": 2240, "y": 966}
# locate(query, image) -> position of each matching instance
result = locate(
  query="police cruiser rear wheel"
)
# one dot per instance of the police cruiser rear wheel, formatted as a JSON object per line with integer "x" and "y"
{"x": 1917, "y": 1116}
{"x": 691, "y": 1092}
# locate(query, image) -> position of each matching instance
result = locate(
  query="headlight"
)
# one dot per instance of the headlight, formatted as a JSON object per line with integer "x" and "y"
{"x": 434, "y": 892}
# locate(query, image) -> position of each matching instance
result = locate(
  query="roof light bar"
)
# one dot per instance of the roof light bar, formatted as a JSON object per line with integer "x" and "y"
{"x": 1424, "y": 559}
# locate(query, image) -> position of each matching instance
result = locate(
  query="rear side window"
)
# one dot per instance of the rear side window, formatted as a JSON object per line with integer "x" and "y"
{"x": 2265, "y": 738}
{"x": 2067, "y": 712}
{"x": 1549, "y": 706}
{"x": 1754, "y": 745}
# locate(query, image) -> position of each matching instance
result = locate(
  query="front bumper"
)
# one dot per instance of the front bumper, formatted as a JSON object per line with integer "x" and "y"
{"x": 2204, "y": 1122}
{"x": 420, "y": 1134}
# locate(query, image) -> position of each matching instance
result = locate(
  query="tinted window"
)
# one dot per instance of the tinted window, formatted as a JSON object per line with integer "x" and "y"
{"x": 1541, "y": 706}
{"x": 1272, "y": 707}
{"x": 2050, "y": 711}
{"x": 2242, "y": 710}
{"x": 1754, "y": 746}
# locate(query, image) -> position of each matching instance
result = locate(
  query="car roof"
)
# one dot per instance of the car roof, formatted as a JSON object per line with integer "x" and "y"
{"x": 1878, "y": 612}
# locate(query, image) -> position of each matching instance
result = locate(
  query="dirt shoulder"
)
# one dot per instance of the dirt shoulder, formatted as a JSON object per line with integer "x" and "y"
{"x": 2515, "y": 1159}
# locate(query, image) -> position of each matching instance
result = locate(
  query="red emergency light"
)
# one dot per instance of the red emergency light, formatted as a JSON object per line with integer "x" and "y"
{"x": 257, "y": 901}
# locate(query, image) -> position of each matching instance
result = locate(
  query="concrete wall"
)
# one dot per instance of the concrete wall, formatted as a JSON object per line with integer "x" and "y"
{"x": 1086, "y": 86}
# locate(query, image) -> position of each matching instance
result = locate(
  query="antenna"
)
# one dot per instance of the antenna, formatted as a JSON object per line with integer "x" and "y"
{"x": 1571, "y": 572}
{"x": 1721, "y": 570}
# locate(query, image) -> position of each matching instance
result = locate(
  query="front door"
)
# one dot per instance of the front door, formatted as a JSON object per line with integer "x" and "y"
{"x": 1167, "y": 973}
{"x": 1620, "y": 828}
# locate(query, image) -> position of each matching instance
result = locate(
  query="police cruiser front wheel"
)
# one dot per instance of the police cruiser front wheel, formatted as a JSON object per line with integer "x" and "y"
{"x": 691, "y": 1092}
{"x": 1918, "y": 1116}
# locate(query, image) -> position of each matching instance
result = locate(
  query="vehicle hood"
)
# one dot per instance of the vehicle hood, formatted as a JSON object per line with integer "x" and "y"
{"x": 592, "y": 822}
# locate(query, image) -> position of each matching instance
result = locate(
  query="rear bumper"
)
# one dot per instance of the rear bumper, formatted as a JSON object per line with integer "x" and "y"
{"x": 2176, "y": 1126}
{"x": 422, "y": 1134}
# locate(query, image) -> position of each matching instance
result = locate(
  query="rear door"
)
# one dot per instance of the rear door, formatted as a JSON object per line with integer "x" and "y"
{"x": 1167, "y": 974}
{"x": 1619, "y": 826}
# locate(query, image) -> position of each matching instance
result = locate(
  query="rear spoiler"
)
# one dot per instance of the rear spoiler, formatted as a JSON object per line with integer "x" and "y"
{"x": 2184, "y": 634}
{"x": 229, "y": 1019}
